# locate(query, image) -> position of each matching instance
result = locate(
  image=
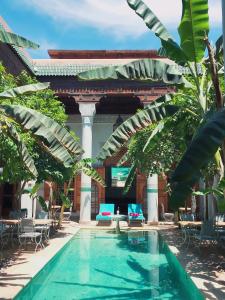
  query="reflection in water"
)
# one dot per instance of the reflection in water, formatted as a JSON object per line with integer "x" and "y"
{"x": 153, "y": 246}
{"x": 136, "y": 237}
{"x": 84, "y": 254}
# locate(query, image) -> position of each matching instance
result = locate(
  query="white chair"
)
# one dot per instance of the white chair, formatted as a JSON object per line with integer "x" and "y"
{"x": 27, "y": 233}
{"x": 45, "y": 229}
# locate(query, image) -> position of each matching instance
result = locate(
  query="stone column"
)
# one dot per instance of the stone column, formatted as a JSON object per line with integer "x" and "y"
{"x": 152, "y": 199}
{"x": 87, "y": 111}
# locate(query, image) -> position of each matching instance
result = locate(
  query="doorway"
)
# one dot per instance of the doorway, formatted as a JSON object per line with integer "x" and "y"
{"x": 115, "y": 178}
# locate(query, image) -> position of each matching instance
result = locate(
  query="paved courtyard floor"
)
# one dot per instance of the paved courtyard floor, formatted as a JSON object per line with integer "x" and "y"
{"x": 206, "y": 268}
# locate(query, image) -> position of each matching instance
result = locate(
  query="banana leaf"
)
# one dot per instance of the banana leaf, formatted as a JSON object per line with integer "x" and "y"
{"x": 200, "y": 152}
{"x": 16, "y": 40}
{"x": 130, "y": 179}
{"x": 144, "y": 69}
{"x": 11, "y": 93}
{"x": 84, "y": 166}
{"x": 152, "y": 113}
{"x": 219, "y": 48}
{"x": 173, "y": 50}
{"x": 25, "y": 155}
{"x": 157, "y": 130}
{"x": 193, "y": 28}
{"x": 55, "y": 138}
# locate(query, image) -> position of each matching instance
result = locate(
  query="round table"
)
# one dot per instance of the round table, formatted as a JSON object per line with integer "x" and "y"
{"x": 118, "y": 218}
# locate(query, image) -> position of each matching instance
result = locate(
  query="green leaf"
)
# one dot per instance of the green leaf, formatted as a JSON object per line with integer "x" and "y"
{"x": 35, "y": 188}
{"x": 24, "y": 89}
{"x": 194, "y": 27}
{"x": 25, "y": 156}
{"x": 84, "y": 166}
{"x": 65, "y": 200}
{"x": 202, "y": 149}
{"x": 219, "y": 47}
{"x": 130, "y": 179}
{"x": 157, "y": 130}
{"x": 14, "y": 39}
{"x": 152, "y": 113}
{"x": 144, "y": 69}
{"x": 173, "y": 50}
{"x": 43, "y": 204}
{"x": 54, "y": 138}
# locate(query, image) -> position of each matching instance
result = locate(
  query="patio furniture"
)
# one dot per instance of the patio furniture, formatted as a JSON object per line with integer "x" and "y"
{"x": 188, "y": 228}
{"x": 11, "y": 226}
{"x": 106, "y": 212}
{"x": 165, "y": 216}
{"x": 207, "y": 234}
{"x": 42, "y": 215}
{"x": 43, "y": 224}
{"x": 67, "y": 214}
{"x": 4, "y": 235}
{"x": 219, "y": 227}
{"x": 135, "y": 213}
{"x": 27, "y": 233}
{"x": 18, "y": 214}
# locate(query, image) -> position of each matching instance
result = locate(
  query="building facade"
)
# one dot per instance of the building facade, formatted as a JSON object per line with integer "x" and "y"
{"x": 94, "y": 109}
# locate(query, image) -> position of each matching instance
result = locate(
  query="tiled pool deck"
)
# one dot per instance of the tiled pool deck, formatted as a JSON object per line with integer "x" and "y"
{"x": 206, "y": 269}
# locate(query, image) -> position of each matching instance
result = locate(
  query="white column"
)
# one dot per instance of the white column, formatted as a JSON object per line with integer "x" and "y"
{"x": 87, "y": 111}
{"x": 152, "y": 198}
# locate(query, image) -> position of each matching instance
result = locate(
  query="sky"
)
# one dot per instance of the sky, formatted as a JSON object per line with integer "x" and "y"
{"x": 94, "y": 24}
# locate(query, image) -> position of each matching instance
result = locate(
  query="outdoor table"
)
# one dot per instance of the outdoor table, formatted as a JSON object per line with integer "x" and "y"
{"x": 118, "y": 218}
{"x": 56, "y": 207}
{"x": 10, "y": 222}
{"x": 43, "y": 221}
{"x": 222, "y": 224}
{"x": 184, "y": 209}
{"x": 190, "y": 223}
{"x": 13, "y": 222}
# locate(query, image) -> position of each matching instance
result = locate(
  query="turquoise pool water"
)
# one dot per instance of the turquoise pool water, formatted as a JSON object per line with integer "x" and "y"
{"x": 103, "y": 265}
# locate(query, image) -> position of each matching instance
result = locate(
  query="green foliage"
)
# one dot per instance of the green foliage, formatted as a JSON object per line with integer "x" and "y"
{"x": 42, "y": 202}
{"x": 10, "y": 158}
{"x": 202, "y": 149}
{"x": 173, "y": 50}
{"x": 150, "y": 114}
{"x": 65, "y": 200}
{"x": 193, "y": 28}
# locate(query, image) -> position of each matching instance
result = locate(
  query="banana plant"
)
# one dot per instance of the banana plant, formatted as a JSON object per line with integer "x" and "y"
{"x": 152, "y": 113}
{"x": 190, "y": 53}
{"x": 51, "y": 136}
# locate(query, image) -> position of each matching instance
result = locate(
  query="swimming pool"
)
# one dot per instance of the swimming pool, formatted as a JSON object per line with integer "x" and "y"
{"x": 103, "y": 265}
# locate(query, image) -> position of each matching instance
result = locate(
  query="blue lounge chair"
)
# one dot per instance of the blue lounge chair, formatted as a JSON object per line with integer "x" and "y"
{"x": 135, "y": 209}
{"x": 105, "y": 208}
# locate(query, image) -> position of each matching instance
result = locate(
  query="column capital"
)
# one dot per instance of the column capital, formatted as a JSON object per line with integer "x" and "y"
{"x": 87, "y": 109}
